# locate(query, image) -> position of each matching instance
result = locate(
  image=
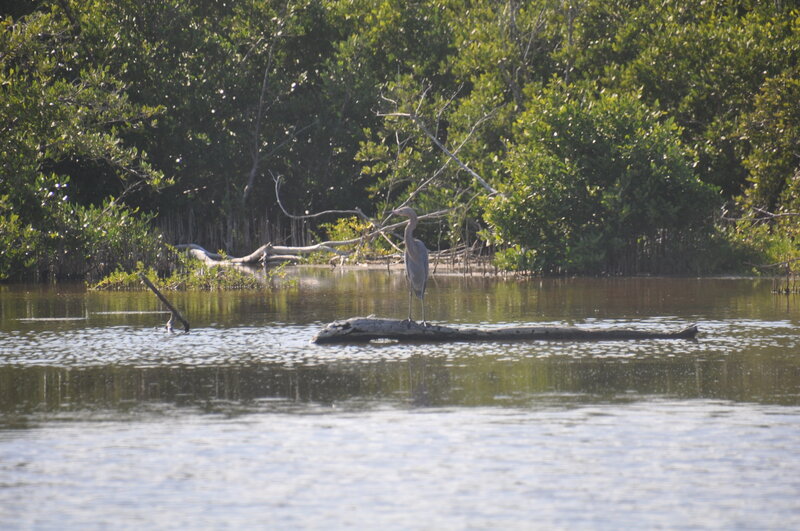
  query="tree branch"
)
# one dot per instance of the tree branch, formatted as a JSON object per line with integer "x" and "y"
{"x": 269, "y": 251}
{"x": 772, "y": 215}
{"x": 279, "y": 178}
{"x": 421, "y": 125}
{"x": 424, "y": 185}
{"x": 765, "y": 215}
{"x": 175, "y": 314}
{"x": 264, "y": 86}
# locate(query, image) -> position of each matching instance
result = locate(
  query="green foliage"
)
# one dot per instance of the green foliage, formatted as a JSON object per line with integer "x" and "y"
{"x": 190, "y": 274}
{"x": 346, "y": 228}
{"x": 248, "y": 88}
{"x": 18, "y": 241}
{"x": 764, "y": 247}
{"x": 70, "y": 239}
{"x": 125, "y": 280}
{"x": 771, "y": 224}
{"x": 597, "y": 183}
{"x": 597, "y": 120}
{"x": 59, "y": 107}
{"x": 700, "y": 62}
{"x": 111, "y": 234}
{"x": 351, "y": 228}
{"x": 58, "y": 110}
{"x": 773, "y": 132}
{"x": 196, "y": 276}
{"x": 517, "y": 258}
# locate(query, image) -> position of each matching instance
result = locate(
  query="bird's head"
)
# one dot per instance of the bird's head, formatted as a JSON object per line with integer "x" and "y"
{"x": 405, "y": 211}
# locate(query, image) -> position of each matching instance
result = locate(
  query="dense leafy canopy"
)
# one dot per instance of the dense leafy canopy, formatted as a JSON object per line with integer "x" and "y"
{"x": 621, "y": 137}
{"x": 597, "y": 183}
{"x": 64, "y": 114}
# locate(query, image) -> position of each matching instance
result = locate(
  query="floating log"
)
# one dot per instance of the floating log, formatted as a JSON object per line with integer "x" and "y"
{"x": 363, "y": 329}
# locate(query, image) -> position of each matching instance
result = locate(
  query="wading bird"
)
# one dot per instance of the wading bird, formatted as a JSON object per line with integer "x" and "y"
{"x": 416, "y": 261}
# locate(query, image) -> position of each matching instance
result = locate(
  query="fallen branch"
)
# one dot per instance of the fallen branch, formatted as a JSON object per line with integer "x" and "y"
{"x": 363, "y": 329}
{"x": 175, "y": 313}
{"x": 271, "y": 253}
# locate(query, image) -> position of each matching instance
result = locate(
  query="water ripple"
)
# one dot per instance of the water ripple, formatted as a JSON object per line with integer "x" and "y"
{"x": 290, "y": 344}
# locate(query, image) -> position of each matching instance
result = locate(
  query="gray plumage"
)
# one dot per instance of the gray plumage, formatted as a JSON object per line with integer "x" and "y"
{"x": 416, "y": 261}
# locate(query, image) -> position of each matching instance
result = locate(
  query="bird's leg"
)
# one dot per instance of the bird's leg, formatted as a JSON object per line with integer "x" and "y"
{"x": 422, "y": 303}
{"x": 410, "y": 303}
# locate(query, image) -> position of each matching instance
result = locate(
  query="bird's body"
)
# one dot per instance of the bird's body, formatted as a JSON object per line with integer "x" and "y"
{"x": 416, "y": 261}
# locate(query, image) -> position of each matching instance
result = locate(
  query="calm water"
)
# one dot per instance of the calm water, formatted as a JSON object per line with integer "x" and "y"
{"x": 107, "y": 421}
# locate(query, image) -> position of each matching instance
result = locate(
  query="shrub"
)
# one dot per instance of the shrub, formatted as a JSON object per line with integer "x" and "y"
{"x": 599, "y": 183}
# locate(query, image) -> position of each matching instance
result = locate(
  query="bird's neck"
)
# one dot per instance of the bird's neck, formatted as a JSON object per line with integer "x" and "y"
{"x": 409, "y": 233}
{"x": 412, "y": 250}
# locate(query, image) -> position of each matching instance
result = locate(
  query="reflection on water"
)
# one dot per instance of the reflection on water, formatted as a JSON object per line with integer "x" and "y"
{"x": 418, "y": 380}
{"x": 73, "y": 349}
{"x": 110, "y": 421}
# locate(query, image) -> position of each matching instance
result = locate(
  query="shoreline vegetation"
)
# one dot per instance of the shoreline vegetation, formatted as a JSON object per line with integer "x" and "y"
{"x": 201, "y": 270}
{"x": 222, "y": 274}
{"x": 545, "y": 138}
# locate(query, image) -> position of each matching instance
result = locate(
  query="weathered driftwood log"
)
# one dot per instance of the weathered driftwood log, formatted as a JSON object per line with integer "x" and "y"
{"x": 281, "y": 253}
{"x": 362, "y": 329}
{"x": 266, "y": 253}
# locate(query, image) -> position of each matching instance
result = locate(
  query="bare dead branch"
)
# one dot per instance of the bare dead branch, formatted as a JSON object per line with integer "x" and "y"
{"x": 175, "y": 314}
{"x": 279, "y": 178}
{"x": 421, "y": 125}
{"x": 765, "y": 215}
{"x": 785, "y": 263}
{"x": 772, "y": 215}
{"x": 291, "y": 136}
{"x": 438, "y": 172}
{"x": 256, "y": 155}
{"x": 268, "y": 251}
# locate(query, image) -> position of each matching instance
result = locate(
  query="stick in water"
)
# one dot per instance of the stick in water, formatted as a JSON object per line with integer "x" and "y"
{"x": 175, "y": 313}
